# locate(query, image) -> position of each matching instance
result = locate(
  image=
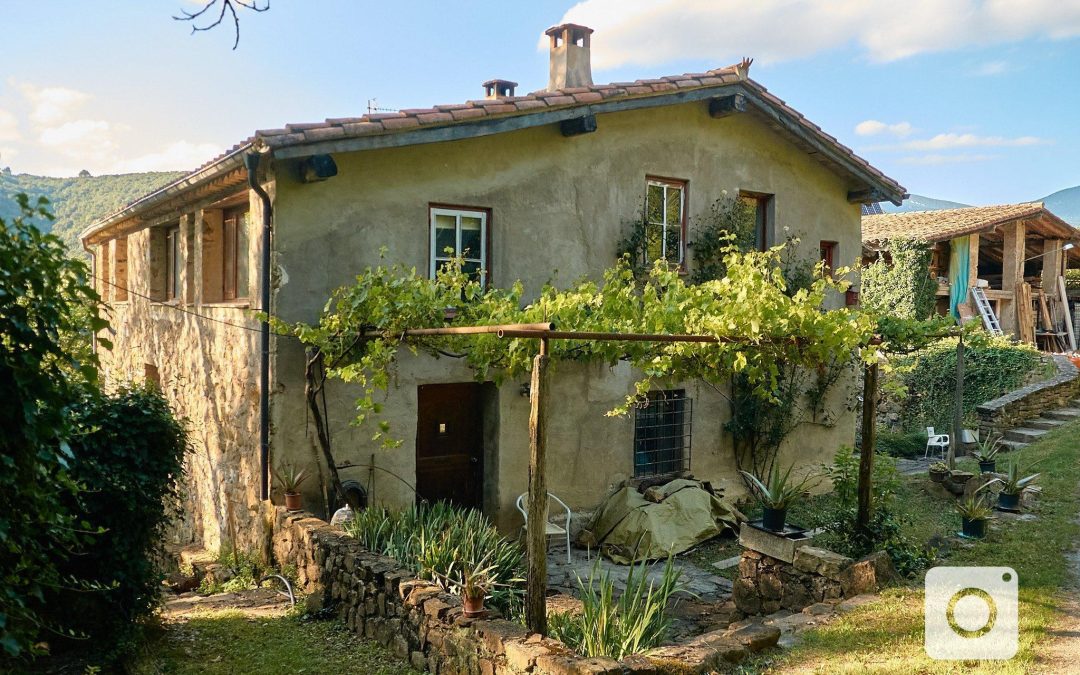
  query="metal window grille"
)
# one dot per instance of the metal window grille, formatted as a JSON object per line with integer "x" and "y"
{"x": 662, "y": 424}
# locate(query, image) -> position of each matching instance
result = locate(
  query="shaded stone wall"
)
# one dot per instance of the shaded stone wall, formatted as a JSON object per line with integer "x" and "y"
{"x": 1016, "y": 407}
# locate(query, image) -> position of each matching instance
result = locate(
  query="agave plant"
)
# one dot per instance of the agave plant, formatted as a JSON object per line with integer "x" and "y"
{"x": 975, "y": 507}
{"x": 780, "y": 491}
{"x": 988, "y": 449}
{"x": 1013, "y": 484}
{"x": 290, "y": 477}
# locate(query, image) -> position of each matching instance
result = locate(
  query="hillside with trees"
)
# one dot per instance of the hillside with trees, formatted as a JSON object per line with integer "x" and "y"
{"x": 78, "y": 201}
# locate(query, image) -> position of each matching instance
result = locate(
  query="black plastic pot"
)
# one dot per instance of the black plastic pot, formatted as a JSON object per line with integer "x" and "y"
{"x": 976, "y": 529}
{"x": 773, "y": 519}
{"x": 1007, "y": 501}
{"x": 988, "y": 467}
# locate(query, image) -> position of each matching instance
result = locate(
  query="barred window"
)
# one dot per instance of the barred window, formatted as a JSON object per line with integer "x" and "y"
{"x": 662, "y": 425}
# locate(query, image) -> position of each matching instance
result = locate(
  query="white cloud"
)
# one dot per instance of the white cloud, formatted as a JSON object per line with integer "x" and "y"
{"x": 950, "y": 141}
{"x": 181, "y": 155}
{"x": 69, "y": 135}
{"x": 874, "y": 127}
{"x": 991, "y": 68}
{"x": 51, "y": 105}
{"x": 644, "y": 32}
{"x": 935, "y": 159}
{"x": 9, "y": 126}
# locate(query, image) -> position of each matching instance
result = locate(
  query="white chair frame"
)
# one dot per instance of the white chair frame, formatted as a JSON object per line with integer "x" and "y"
{"x": 936, "y": 440}
{"x": 552, "y": 530}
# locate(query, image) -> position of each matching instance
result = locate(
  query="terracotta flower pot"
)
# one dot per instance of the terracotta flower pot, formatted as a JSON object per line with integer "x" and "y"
{"x": 473, "y": 606}
{"x": 938, "y": 476}
{"x": 294, "y": 501}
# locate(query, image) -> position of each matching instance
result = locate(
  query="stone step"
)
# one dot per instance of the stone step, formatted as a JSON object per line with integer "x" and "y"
{"x": 1008, "y": 445}
{"x": 1063, "y": 414}
{"x": 1044, "y": 423}
{"x": 1024, "y": 434}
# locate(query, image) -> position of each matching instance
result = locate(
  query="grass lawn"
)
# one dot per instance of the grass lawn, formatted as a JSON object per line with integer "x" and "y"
{"x": 887, "y": 636}
{"x": 230, "y": 642}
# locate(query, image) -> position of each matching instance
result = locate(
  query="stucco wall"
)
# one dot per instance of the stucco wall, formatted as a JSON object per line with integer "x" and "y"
{"x": 558, "y": 208}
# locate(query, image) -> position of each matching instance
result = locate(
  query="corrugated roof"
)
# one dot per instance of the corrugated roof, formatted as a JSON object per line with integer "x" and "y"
{"x": 945, "y": 224}
{"x": 317, "y": 134}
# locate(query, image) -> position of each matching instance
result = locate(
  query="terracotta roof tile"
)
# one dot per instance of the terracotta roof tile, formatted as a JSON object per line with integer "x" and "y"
{"x": 945, "y": 224}
{"x": 413, "y": 118}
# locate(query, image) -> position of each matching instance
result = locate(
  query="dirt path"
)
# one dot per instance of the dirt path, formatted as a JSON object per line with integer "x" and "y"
{"x": 1062, "y": 653}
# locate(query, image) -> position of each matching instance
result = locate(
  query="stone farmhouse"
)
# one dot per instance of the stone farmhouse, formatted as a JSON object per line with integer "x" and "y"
{"x": 532, "y": 187}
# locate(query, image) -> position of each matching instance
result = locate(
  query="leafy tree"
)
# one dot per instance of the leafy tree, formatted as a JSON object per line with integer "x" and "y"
{"x": 901, "y": 286}
{"x": 84, "y": 174}
{"x": 41, "y": 293}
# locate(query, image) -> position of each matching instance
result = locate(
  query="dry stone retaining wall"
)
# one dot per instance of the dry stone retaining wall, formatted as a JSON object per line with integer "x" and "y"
{"x": 418, "y": 621}
{"x": 1016, "y": 407}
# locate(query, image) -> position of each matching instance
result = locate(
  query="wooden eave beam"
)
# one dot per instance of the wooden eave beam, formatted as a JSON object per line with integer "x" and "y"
{"x": 585, "y": 124}
{"x": 722, "y": 106}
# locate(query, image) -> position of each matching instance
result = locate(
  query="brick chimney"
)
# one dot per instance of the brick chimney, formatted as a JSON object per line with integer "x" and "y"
{"x": 570, "y": 62}
{"x": 496, "y": 89}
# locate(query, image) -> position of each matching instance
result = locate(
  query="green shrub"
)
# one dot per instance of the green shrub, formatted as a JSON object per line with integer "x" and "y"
{"x": 634, "y": 622}
{"x": 885, "y": 531}
{"x": 901, "y": 444}
{"x": 992, "y": 366}
{"x": 44, "y": 297}
{"x": 128, "y": 459}
{"x": 440, "y": 542}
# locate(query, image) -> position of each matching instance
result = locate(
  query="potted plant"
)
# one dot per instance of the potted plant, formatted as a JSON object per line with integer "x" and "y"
{"x": 290, "y": 479}
{"x": 986, "y": 455}
{"x": 475, "y": 584}
{"x": 974, "y": 513}
{"x": 777, "y": 494}
{"x": 939, "y": 471}
{"x": 1013, "y": 486}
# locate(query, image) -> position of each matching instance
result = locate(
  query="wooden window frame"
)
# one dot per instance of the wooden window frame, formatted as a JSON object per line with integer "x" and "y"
{"x": 231, "y": 253}
{"x": 762, "y": 218}
{"x": 434, "y": 256}
{"x": 122, "y": 280}
{"x": 173, "y": 250}
{"x": 827, "y": 252}
{"x": 683, "y": 185}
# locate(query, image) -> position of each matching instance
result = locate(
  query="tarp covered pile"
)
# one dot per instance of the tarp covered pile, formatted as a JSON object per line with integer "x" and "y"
{"x": 674, "y": 518}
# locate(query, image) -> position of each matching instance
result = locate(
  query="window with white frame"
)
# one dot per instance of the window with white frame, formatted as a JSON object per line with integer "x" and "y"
{"x": 665, "y": 221}
{"x": 459, "y": 233}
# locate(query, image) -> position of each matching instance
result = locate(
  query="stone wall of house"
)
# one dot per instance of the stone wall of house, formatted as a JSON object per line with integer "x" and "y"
{"x": 766, "y": 584}
{"x": 418, "y": 621}
{"x": 1013, "y": 409}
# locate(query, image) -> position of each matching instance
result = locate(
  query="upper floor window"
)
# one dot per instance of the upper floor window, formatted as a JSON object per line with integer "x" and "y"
{"x": 460, "y": 233}
{"x": 662, "y": 424}
{"x": 665, "y": 220}
{"x": 762, "y": 205}
{"x": 827, "y": 250}
{"x": 234, "y": 253}
{"x": 104, "y": 271}
{"x": 120, "y": 269}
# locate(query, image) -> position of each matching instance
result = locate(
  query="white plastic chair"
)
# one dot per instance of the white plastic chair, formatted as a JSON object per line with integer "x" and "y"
{"x": 552, "y": 529}
{"x": 935, "y": 440}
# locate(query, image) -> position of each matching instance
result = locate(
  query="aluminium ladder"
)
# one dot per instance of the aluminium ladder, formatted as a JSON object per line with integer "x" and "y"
{"x": 990, "y": 319}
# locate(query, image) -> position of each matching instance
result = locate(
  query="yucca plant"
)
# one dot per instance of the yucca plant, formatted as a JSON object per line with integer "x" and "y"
{"x": 974, "y": 512}
{"x": 615, "y": 627}
{"x": 778, "y": 493}
{"x": 290, "y": 477}
{"x": 1013, "y": 485}
{"x": 987, "y": 453}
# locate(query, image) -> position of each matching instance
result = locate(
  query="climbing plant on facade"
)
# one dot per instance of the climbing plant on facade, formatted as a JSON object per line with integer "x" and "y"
{"x": 901, "y": 286}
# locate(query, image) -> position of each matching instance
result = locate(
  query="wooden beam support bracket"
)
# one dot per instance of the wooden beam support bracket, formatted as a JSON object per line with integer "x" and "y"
{"x": 722, "y": 106}
{"x": 586, "y": 124}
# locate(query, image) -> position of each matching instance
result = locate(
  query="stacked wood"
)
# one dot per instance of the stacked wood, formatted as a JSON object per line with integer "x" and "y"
{"x": 1025, "y": 314}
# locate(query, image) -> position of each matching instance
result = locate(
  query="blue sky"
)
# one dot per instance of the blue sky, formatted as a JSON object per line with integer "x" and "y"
{"x": 970, "y": 100}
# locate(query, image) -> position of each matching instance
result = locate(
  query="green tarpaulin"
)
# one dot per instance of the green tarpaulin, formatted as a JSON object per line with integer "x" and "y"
{"x": 629, "y": 527}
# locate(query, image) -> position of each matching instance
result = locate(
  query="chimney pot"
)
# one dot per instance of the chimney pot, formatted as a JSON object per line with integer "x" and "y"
{"x": 570, "y": 64}
{"x": 496, "y": 89}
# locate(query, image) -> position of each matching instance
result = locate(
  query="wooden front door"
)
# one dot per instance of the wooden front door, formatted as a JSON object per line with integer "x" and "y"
{"x": 450, "y": 444}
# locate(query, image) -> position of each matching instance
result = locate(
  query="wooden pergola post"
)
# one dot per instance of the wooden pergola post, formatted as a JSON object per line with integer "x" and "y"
{"x": 958, "y": 405}
{"x": 535, "y": 527}
{"x": 869, "y": 442}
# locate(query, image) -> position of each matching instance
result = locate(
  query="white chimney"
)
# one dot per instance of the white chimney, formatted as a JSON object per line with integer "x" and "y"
{"x": 570, "y": 62}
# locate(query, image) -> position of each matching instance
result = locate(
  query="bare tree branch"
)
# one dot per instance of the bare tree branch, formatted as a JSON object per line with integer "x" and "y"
{"x": 226, "y": 6}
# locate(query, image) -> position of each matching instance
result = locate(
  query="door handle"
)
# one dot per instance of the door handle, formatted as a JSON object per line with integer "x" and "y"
{"x": 474, "y": 460}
